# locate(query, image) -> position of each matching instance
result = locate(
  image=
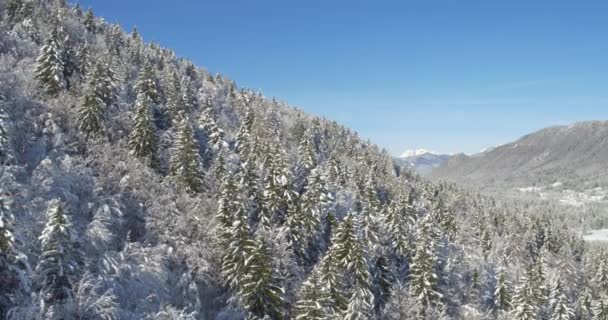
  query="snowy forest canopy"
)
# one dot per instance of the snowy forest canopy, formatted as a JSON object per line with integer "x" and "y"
{"x": 135, "y": 185}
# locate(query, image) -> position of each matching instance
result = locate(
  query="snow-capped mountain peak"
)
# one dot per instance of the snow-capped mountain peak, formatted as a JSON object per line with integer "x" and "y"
{"x": 415, "y": 153}
{"x": 422, "y": 160}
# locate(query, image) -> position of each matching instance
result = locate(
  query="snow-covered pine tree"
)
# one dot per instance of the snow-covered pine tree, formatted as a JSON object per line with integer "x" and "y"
{"x": 89, "y": 21}
{"x": 560, "y": 309}
{"x": 146, "y": 83}
{"x": 240, "y": 248}
{"x": 243, "y": 137}
{"x": 12, "y": 263}
{"x": 219, "y": 170}
{"x": 307, "y": 153}
{"x": 370, "y": 216}
{"x": 314, "y": 201}
{"x": 601, "y": 275}
{"x": 524, "y": 307}
{"x": 423, "y": 267}
{"x": 331, "y": 278}
{"x": 502, "y": 293}
{"x": 58, "y": 264}
{"x": 312, "y": 300}
{"x": 91, "y": 113}
{"x": 600, "y": 309}
{"x": 399, "y": 221}
{"x": 227, "y": 207}
{"x": 175, "y": 102}
{"x": 185, "y": 162}
{"x": 51, "y": 62}
{"x": 351, "y": 259}
{"x": 142, "y": 140}
{"x": 214, "y": 133}
{"x": 6, "y": 147}
{"x": 260, "y": 291}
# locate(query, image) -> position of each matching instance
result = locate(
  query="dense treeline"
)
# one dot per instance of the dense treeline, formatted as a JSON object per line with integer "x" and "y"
{"x": 137, "y": 186}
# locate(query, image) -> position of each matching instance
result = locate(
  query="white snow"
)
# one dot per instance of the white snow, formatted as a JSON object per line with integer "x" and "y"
{"x": 415, "y": 152}
{"x": 596, "y": 235}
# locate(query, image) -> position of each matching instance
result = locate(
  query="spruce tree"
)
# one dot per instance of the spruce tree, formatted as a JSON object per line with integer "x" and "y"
{"x": 600, "y": 310}
{"x": 89, "y": 21}
{"x": 175, "y": 102}
{"x": 240, "y": 248}
{"x": 227, "y": 207}
{"x": 502, "y": 293}
{"x": 307, "y": 154}
{"x": 50, "y": 64}
{"x": 314, "y": 201}
{"x": 185, "y": 162}
{"x": 91, "y": 113}
{"x": 351, "y": 258}
{"x": 12, "y": 264}
{"x": 524, "y": 307}
{"x": 146, "y": 83}
{"x": 312, "y": 300}
{"x": 560, "y": 310}
{"x": 214, "y": 133}
{"x": 331, "y": 277}
{"x": 58, "y": 264}
{"x": 142, "y": 140}
{"x": 399, "y": 222}
{"x": 260, "y": 291}
{"x": 6, "y": 148}
{"x": 423, "y": 276}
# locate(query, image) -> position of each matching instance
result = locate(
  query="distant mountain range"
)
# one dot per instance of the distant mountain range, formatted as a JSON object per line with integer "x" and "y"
{"x": 575, "y": 155}
{"x": 421, "y": 160}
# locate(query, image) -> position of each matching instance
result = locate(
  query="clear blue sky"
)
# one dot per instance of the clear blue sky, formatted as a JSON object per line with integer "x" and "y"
{"x": 445, "y": 75}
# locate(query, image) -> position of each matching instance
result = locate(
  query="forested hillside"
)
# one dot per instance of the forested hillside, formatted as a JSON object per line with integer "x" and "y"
{"x": 135, "y": 185}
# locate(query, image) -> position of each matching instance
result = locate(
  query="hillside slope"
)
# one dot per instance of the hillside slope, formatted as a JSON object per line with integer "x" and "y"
{"x": 135, "y": 185}
{"x": 575, "y": 156}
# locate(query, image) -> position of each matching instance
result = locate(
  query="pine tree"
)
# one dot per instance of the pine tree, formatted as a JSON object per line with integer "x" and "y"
{"x": 351, "y": 259}
{"x": 50, "y": 64}
{"x": 207, "y": 123}
{"x": 142, "y": 140}
{"x": 601, "y": 275}
{"x": 146, "y": 83}
{"x": 91, "y": 114}
{"x": 423, "y": 276}
{"x": 12, "y": 263}
{"x": 6, "y": 148}
{"x": 260, "y": 292}
{"x": 243, "y": 137}
{"x": 502, "y": 293}
{"x": 332, "y": 282}
{"x": 312, "y": 302}
{"x": 314, "y": 201}
{"x": 560, "y": 310}
{"x": 227, "y": 207}
{"x": 308, "y": 158}
{"x": 89, "y": 21}
{"x": 220, "y": 167}
{"x": 600, "y": 310}
{"x": 58, "y": 263}
{"x": 370, "y": 217}
{"x": 524, "y": 307}
{"x": 185, "y": 158}
{"x": 240, "y": 248}
{"x": 175, "y": 102}
{"x": 399, "y": 221}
